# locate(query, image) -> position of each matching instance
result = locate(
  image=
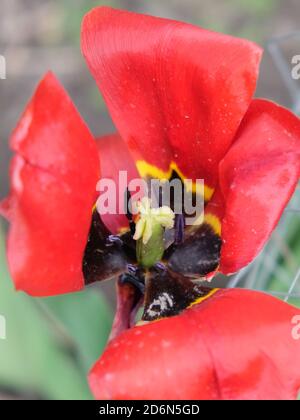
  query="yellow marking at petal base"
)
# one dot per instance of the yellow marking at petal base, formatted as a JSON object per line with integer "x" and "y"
{"x": 202, "y": 299}
{"x": 147, "y": 170}
{"x": 142, "y": 323}
{"x": 214, "y": 222}
{"x": 123, "y": 230}
{"x": 211, "y": 220}
{"x": 199, "y": 220}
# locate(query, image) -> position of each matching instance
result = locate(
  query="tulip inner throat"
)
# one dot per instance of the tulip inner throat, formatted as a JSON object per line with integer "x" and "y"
{"x": 163, "y": 290}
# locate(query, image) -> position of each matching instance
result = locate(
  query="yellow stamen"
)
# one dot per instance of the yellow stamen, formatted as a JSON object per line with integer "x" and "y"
{"x": 148, "y": 217}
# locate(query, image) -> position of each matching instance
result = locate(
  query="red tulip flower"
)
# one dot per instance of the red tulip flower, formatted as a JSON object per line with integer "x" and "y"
{"x": 181, "y": 98}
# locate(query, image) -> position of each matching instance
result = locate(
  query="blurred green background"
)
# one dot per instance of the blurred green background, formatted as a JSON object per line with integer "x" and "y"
{"x": 51, "y": 343}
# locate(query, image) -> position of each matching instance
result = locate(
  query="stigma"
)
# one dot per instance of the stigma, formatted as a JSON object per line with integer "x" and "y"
{"x": 150, "y": 218}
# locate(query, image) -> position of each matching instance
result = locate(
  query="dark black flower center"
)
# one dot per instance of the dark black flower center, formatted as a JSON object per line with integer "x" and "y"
{"x": 191, "y": 253}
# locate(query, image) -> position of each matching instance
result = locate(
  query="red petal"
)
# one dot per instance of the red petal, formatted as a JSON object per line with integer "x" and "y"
{"x": 114, "y": 158}
{"x": 177, "y": 93}
{"x": 258, "y": 177}
{"x": 53, "y": 190}
{"x": 236, "y": 345}
{"x": 214, "y": 211}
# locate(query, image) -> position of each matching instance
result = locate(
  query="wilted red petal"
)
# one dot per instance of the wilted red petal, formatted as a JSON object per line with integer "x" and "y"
{"x": 258, "y": 177}
{"x": 53, "y": 190}
{"x": 177, "y": 93}
{"x": 237, "y": 344}
{"x": 115, "y": 158}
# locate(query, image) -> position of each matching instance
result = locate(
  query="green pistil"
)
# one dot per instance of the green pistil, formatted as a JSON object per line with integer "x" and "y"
{"x": 149, "y": 232}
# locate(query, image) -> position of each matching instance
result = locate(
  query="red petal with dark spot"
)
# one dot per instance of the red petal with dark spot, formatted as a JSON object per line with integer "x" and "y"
{"x": 53, "y": 190}
{"x": 237, "y": 344}
{"x": 177, "y": 93}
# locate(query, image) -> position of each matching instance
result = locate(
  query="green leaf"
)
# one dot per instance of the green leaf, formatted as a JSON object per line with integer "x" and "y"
{"x": 87, "y": 318}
